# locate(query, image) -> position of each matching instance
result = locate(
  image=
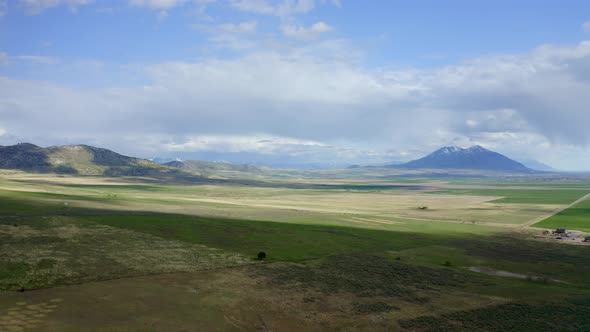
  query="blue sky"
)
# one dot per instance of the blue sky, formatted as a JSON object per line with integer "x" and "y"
{"x": 324, "y": 82}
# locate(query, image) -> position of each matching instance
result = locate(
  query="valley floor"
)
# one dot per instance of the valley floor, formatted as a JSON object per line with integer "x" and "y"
{"x": 120, "y": 254}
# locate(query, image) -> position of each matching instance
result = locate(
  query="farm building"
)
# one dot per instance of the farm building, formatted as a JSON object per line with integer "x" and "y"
{"x": 560, "y": 231}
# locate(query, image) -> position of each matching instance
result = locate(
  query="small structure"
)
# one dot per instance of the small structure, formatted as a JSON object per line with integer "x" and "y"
{"x": 546, "y": 232}
{"x": 587, "y": 239}
{"x": 560, "y": 231}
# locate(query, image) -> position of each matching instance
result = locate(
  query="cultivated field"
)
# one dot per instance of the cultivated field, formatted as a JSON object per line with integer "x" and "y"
{"x": 371, "y": 252}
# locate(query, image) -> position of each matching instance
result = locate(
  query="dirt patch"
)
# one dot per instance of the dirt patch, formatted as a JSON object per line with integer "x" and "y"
{"x": 508, "y": 274}
{"x": 500, "y": 273}
{"x": 25, "y": 316}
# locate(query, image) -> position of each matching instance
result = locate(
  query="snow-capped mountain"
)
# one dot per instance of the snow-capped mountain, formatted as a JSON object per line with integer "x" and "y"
{"x": 475, "y": 157}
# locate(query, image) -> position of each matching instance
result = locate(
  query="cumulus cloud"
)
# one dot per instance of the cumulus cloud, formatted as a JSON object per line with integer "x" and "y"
{"x": 533, "y": 104}
{"x": 37, "y": 6}
{"x": 300, "y": 32}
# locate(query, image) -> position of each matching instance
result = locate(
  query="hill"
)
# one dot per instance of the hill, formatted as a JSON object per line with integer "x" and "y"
{"x": 75, "y": 159}
{"x": 475, "y": 157}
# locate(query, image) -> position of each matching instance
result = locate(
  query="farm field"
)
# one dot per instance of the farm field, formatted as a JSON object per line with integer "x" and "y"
{"x": 119, "y": 254}
{"x": 576, "y": 217}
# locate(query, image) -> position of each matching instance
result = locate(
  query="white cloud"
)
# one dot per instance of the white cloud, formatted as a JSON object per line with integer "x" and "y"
{"x": 336, "y": 3}
{"x": 229, "y": 28}
{"x": 7, "y": 59}
{"x": 234, "y": 36}
{"x": 283, "y": 8}
{"x": 265, "y": 144}
{"x": 37, "y": 6}
{"x": 41, "y": 59}
{"x": 586, "y": 26}
{"x": 533, "y": 104}
{"x": 300, "y": 32}
{"x": 157, "y": 4}
{"x": 243, "y": 27}
{"x": 3, "y": 7}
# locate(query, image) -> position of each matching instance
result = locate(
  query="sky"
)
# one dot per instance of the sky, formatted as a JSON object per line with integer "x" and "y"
{"x": 297, "y": 83}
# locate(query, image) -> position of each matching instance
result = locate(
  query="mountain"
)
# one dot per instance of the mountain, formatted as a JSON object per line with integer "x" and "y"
{"x": 75, "y": 159}
{"x": 475, "y": 158}
{"x": 212, "y": 167}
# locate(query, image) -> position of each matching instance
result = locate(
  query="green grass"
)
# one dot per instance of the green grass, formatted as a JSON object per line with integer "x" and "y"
{"x": 576, "y": 217}
{"x": 297, "y": 242}
{"x": 526, "y": 196}
{"x": 281, "y": 241}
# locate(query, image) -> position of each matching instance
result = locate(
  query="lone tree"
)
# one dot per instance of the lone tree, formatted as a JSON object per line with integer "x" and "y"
{"x": 261, "y": 255}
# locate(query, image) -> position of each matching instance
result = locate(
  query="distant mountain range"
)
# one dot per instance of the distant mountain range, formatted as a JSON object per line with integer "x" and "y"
{"x": 207, "y": 167}
{"x": 89, "y": 160}
{"x": 473, "y": 158}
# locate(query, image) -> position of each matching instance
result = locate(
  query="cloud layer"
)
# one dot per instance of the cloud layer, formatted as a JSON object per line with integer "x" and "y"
{"x": 299, "y": 91}
{"x": 534, "y": 100}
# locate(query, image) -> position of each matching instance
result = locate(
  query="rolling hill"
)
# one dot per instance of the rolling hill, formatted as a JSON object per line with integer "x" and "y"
{"x": 474, "y": 158}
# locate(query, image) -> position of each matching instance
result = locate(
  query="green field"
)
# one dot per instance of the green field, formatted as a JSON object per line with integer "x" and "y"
{"x": 340, "y": 254}
{"x": 551, "y": 196}
{"x": 576, "y": 217}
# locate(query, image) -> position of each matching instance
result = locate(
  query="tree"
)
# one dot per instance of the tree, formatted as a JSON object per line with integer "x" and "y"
{"x": 261, "y": 255}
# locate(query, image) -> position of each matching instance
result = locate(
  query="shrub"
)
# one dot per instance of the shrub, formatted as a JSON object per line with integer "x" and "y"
{"x": 261, "y": 255}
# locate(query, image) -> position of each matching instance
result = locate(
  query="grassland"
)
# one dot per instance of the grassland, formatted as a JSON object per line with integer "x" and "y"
{"x": 341, "y": 254}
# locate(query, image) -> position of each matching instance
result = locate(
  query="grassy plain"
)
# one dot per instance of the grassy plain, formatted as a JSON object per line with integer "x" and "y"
{"x": 136, "y": 254}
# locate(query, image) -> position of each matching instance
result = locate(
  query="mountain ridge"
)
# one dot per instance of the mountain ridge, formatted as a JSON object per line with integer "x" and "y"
{"x": 73, "y": 159}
